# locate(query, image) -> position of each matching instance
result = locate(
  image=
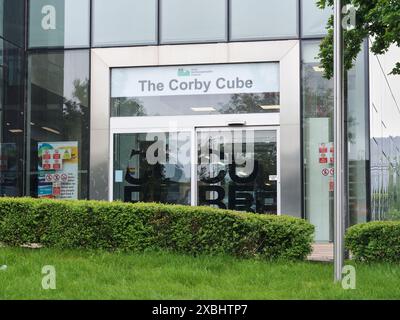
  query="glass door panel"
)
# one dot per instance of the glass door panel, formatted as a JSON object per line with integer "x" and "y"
{"x": 152, "y": 167}
{"x": 237, "y": 169}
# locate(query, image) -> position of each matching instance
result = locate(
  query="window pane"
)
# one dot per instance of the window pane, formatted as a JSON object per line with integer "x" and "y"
{"x": 11, "y": 119}
{"x": 260, "y": 19}
{"x": 195, "y": 90}
{"x": 59, "y": 23}
{"x": 59, "y": 124}
{"x": 250, "y": 186}
{"x": 385, "y": 138}
{"x": 314, "y": 19}
{"x": 12, "y": 21}
{"x": 140, "y": 176}
{"x": 358, "y": 142}
{"x": 124, "y": 22}
{"x": 318, "y": 137}
{"x": 317, "y": 95}
{"x": 193, "y": 20}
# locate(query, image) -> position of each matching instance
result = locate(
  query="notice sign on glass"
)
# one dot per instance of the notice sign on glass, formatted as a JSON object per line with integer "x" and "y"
{"x": 58, "y": 170}
{"x": 195, "y": 80}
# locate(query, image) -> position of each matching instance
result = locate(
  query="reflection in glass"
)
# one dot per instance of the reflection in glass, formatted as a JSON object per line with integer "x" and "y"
{"x": 11, "y": 119}
{"x": 196, "y": 105}
{"x": 318, "y": 142}
{"x": 12, "y": 15}
{"x": 195, "y": 90}
{"x": 358, "y": 151}
{"x": 317, "y": 95}
{"x": 237, "y": 169}
{"x": 124, "y": 22}
{"x": 314, "y": 20}
{"x": 385, "y": 144}
{"x": 58, "y": 107}
{"x": 193, "y": 20}
{"x": 152, "y": 167}
{"x": 263, "y": 19}
{"x": 59, "y": 23}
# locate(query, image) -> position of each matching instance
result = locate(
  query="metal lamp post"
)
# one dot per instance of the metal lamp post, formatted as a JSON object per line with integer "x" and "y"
{"x": 340, "y": 206}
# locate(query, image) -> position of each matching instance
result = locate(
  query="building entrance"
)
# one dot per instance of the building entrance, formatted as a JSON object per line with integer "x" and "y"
{"x": 226, "y": 167}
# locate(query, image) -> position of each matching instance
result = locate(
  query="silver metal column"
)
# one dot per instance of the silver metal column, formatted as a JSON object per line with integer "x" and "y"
{"x": 340, "y": 206}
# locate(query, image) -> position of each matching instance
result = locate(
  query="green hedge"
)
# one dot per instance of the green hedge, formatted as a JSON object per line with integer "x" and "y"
{"x": 149, "y": 226}
{"x": 375, "y": 241}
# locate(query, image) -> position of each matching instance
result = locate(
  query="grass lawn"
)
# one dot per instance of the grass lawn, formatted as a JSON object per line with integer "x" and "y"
{"x": 102, "y": 275}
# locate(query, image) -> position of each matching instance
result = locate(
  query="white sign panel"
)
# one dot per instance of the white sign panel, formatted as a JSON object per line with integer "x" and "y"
{"x": 195, "y": 80}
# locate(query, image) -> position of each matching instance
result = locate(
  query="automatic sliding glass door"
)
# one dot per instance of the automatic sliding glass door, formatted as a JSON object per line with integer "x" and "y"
{"x": 152, "y": 167}
{"x": 232, "y": 168}
{"x": 238, "y": 169}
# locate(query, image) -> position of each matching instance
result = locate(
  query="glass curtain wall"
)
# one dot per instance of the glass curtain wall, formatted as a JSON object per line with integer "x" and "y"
{"x": 124, "y": 22}
{"x": 58, "y": 114}
{"x": 59, "y": 23}
{"x": 152, "y": 22}
{"x": 12, "y": 13}
{"x": 193, "y": 20}
{"x": 314, "y": 20}
{"x": 263, "y": 19}
{"x": 317, "y": 96}
{"x": 11, "y": 97}
{"x": 358, "y": 144}
{"x": 385, "y": 142}
{"x": 58, "y": 137}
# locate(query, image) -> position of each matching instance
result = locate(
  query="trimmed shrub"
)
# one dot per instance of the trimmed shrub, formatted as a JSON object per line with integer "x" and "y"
{"x": 375, "y": 241}
{"x": 150, "y": 226}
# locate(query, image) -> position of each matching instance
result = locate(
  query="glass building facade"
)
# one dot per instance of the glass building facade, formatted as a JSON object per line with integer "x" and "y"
{"x": 385, "y": 141}
{"x": 12, "y": 110}
{"x": 229, "y": 96}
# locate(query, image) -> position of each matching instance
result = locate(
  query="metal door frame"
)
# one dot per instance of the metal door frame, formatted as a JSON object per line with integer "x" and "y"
{"x": 192, "y": 124}
{"x": 275, "y": 128}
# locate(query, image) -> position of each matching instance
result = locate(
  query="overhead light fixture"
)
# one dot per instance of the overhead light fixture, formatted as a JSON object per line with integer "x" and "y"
{"x": 16, "y": 130}
{"x": 270, "y": 107}
{"x": 51, "y": 130}
{"x": 203, "y": 109}
{"x": 318, "y": 69}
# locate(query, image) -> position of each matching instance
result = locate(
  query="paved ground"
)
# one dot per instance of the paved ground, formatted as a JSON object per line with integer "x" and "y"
{"x": 322, "y": 252}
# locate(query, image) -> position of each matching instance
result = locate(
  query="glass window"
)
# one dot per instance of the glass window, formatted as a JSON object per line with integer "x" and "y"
{"x": 318, "y": 131}
{"x": 314, "y": 19}
{"x": 358, "y": 153}
{"x": 195, "y": 90}
{"x": 152, "y": 167}
{"x": 193, "y": 20}
{"x": 237, "y": 169}
{"x": 262, "y": 19}
{"x": 124, "y": 22}
{"x": 58, "y": 111}
{"x": 11, "y": 119}
{"x": 12, "y": 21}
{"x": 318, "y": 135}
{"x": 385, "y": 141}
{"x": 59, "y": 23}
